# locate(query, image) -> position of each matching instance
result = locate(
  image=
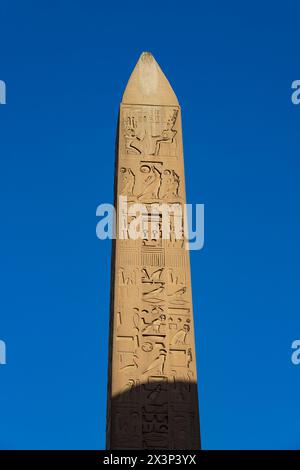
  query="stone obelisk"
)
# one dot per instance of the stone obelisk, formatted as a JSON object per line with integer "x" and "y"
{"x": 152, "y": 386}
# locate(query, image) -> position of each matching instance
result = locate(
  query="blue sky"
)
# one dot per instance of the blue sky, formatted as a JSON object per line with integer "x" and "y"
{"x": 231, "y": 64}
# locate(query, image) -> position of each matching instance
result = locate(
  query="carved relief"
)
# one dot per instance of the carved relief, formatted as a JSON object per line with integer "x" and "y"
{"x": 151, "y": 183}
{"x": 127, "y": 277}
{"x": 178, "y": 296}
{"x": 158, "y": 364}
{"x": 176, "y": 277}
{"x": 169, "y": 188}
{"x": 147, "y": 346}
{"x": 155, "y": 327}
{"x": 152, "y": 256}
{"x": 181, "y": 336}
{"x": 127, "y": 182}
{"x": 129, "y": 391}
{"x": 150, "y": 131}
{"x": 151, "y": 277}
{"x": 128, "y": 361}
{"x": 152, "y": 232}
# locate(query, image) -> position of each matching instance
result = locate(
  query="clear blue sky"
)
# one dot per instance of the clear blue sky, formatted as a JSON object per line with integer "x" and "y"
{"x": 231, "y": 64}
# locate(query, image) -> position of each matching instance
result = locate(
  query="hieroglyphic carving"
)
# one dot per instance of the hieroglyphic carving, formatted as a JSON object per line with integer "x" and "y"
{"x": 151, "y": 181}
{"x": 150, "y": 130}
{"x": 153, "y": 370}
{"x": 169, "y": 187}
{"x": 181, "y": 336}
{"x": 127, "y": 181}
{"x": 152, "y": 256}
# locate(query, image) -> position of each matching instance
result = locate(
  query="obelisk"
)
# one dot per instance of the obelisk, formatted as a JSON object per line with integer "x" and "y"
{"x": 152, "y": 386}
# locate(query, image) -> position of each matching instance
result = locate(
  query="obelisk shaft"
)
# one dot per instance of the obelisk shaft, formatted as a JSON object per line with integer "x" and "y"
{"x": 152, "y": 391}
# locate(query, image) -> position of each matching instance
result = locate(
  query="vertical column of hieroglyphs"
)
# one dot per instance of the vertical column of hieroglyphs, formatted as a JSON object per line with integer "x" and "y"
{"x": 153, "y": 375}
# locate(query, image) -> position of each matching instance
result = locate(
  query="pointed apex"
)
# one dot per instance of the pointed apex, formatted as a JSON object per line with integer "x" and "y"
{"x": 148, "y": 84}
